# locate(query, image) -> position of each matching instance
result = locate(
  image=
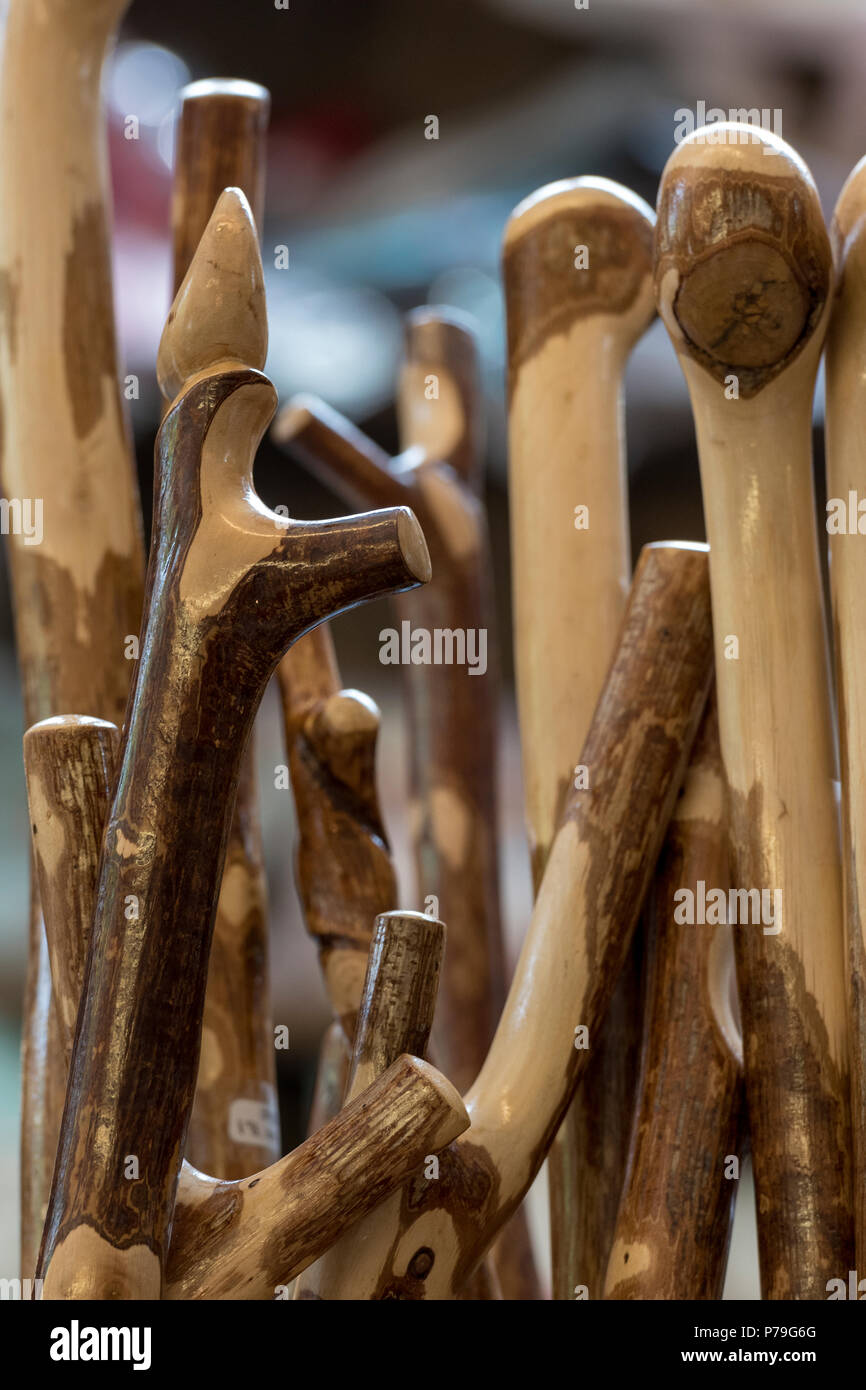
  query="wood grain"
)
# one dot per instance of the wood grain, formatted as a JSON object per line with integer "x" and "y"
{"x": 77, "y": 594}
{"x": 229, "y": 588}
{"x": 242, "y": 1240}
{"x": 577, "y": 270}
{"x": 597, "y": 875}
{"x": 744, "y": 281}
{"x": 674, "y": 1222}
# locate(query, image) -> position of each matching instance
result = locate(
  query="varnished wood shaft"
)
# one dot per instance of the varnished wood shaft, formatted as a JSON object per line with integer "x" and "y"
{"x": 243, "y": 1240}
{"x": 77, "y": 592}
{"x": 332, "y": 1073}
{"x": 744, "y": 281}
{"x": 674, "y": 1222}
{"x": 597, "y": 875}
{"x": 234, "y": 1126}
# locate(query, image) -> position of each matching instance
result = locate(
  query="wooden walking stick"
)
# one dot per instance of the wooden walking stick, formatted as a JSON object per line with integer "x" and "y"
{"x": 598, "y": 871}
{"x": 230, "y": 585}
{"x": 846, "y": 485}
{"x": 234, "y": 1127}
{"x": 452, "y": 714}
{"x": 65, "y": 453}
{"x": 577, "y": 269}
{"x": 743, "y": 280}
{"x": 674, "y": 1223}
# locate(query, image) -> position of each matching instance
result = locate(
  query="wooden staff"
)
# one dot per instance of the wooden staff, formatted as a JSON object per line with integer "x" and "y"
{"x": 674, "y": 1222}
{"x": 234, "y": 1127}
{"x": 65, "y": 449}
{"x": 846, "y": 483}
{"x": 230, "y": 585}
{"x": 452, "y": 714}
{"x": 577, "y": 270}
{"x": 743, "y": 280}
{"x": 332, "y": 1073}
{"x": 598, "y": 871}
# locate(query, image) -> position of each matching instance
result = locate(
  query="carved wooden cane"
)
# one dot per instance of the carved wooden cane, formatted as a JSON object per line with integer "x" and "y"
{"x": 230, "y": 585}
{"x": 452, "y": 772}
{"x": 598, "y": 871}
{"x": 674, "y": 1223}
{"x": 234, "y": 1127}
{"x": 77, "y": 594}
{"x": 577, "y": 268}
{"x": 846, "y": 483}
{"x": 743, "y": 280}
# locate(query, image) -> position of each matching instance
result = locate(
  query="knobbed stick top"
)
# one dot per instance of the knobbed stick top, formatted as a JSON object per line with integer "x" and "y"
{"x": 573, "y": 250}
{"x": 743, "y": 266}
{"x": 230, "y": 586}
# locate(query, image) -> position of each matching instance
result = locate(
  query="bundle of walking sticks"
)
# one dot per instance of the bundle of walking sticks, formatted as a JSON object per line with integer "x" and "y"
{"x": 695, "y": 952}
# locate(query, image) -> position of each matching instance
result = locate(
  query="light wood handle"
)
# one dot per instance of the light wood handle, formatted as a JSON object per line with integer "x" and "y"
{"x": 674, "y": 1223}
{"x": 230, "y": 586}
{"x": 332, "y": 1073}
{"x": 846, "y": 482}
{"x": 744, "y": 279}
{"x": 577, "y": 270}
{"x": 243, "y": 1240}
{"x": 77, "y": 593}
{"x": 597, "y": 875}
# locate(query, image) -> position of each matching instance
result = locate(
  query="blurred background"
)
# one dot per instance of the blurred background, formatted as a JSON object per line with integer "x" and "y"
{"x": 377, "y": 219}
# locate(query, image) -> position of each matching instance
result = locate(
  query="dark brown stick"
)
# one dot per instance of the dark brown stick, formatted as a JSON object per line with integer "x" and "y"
{"x": 674, "y": 1221}
{"x": 234, "y": 1127}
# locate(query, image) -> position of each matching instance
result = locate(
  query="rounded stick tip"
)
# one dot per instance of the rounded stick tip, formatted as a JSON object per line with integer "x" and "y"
{"x": 293, "y": 419}
{"x": 456, "y": 1119}
{"x": 573, "y": 250}
{"x": 413, "y": 546}
{"x": 219, "y": 313}
{"x": 743, "y": 268}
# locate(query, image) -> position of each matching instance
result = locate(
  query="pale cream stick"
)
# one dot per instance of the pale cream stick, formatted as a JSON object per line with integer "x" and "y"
{"x": 77, "y": 576}
{"x": 846, "y": 489}
{"x": 577, "y": 264}
{"x": 744, "y": 279}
